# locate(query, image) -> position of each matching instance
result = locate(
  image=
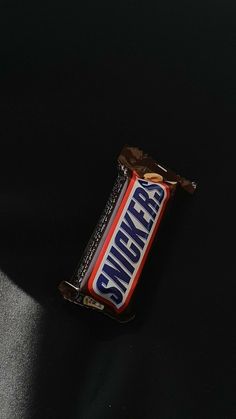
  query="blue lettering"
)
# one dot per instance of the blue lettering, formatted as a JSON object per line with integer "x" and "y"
{"x": 121, "y": 258}
{"x": 159, "y": 195}
{"x": 154, "y": 186}
{"x": 116, "y": 273}
{"x": 146, "y": 202}
{"x": 134, "y": 232}
{"x": 125, "y": 253}
{"x": 115, "y": 294}
{"x": 120, "y": 239}
{"x": 140, "y": 216}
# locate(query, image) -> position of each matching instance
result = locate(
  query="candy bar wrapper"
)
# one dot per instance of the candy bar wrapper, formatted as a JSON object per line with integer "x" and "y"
{"x": 111, "y": 266}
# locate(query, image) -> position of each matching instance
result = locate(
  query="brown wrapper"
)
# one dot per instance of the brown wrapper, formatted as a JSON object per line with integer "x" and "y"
{"x": 110, "y": 268}
{"x": 142, "y": 163}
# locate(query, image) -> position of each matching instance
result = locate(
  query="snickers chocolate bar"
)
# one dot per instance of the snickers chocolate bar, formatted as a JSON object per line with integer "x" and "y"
{"x": 110, "y": 268}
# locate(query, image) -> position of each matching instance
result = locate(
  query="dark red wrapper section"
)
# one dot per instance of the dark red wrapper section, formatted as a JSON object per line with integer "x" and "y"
{"x": 110, "y": 268}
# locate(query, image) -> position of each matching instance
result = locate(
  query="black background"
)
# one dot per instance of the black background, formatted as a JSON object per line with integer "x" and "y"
{"x": 78, "y": 80}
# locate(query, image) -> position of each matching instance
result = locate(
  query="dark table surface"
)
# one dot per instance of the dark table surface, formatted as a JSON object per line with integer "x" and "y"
{"x": 78, "y": 80}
